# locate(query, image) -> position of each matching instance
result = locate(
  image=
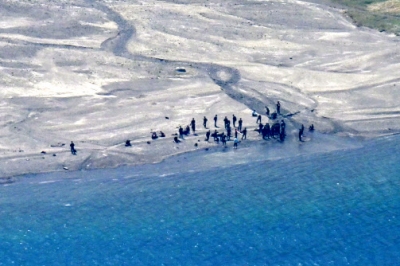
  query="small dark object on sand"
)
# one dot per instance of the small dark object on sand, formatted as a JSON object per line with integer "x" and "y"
{"x": 196, "y": 144}
{"x": 54, "y": 154}
{"x": 166, "y": 117}
{"x": 181, "y": 70}
{"x": 43, "y": 152}
{"x": 148, "y": 142}
{"x": 128, "y": 143}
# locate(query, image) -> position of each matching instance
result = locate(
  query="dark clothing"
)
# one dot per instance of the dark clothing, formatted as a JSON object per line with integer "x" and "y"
{"x": 301, "y": 131}
{"x": 223, "y": 139}
{"x": 225, "y": 122}
{"x": 193, "y": 124}
{"x": 205, "y": 122}
{"x": 229, "y": 133}
{"x": 236, "y": 133}
{"x": 260, "y": 127}
{"x": 240, "y": 124}
{"x": 180, "y": 132}
{"x": 72, "y": 145}
{"x": 266, "y": 131}
{"x": 234, "y": 120}
{"x": 215, "y": 120}
{"x": 266, "y": 110}
{"x": 208, "y": 135}
{"x": 187, "y": 130}
{"x": 244, "y": 133}
{"x": 278, "y": 107}
{"x": 258, "y": 119}
{"x": 215, "y": 135}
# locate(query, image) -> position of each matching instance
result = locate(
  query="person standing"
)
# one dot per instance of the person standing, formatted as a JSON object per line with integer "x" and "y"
{"x": 278, "y": 107}
{"x": 225, "y": 122}
{"x": 244, "y": 133}
{"x": 205, "y": 122}
{"x": 258, "y": 119}
{"x": 193, "y": 124}
{"x": 235, "y": 143}
{"x": 240, "y": 124}
{"x": 266, "y": 110}
{"x": 215, "y": 120}
{"x": 223, "y": 139}
{"x": 301, "y": 131}
{"x": 234, "y": 120}
{"x": 72, "y": 146}
{"x": 208, "y": 135}
{"x": 229, "y": 133}
{"x": 180, "y": 132}
{"x": 267, "y": 130}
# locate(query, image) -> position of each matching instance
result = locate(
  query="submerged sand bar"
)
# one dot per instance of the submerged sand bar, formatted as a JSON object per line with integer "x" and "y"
{"x": 101, "y": 72}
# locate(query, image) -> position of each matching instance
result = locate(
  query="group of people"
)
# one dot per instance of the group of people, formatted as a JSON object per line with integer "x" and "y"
{"x": 277, "y": 129}
{"x": 268, "y": 131}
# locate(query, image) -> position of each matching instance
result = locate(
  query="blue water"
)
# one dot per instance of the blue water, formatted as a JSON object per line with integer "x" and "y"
{"x": 335, "y": 208}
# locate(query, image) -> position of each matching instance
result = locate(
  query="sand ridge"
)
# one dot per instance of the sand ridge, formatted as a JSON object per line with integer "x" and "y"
{"x": 101, "y": 72}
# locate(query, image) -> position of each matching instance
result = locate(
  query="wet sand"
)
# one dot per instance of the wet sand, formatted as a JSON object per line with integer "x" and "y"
{"x": 98, "y": 73}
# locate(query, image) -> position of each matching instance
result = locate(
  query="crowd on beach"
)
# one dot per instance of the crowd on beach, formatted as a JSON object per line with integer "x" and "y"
{"x": 277, "y": 130}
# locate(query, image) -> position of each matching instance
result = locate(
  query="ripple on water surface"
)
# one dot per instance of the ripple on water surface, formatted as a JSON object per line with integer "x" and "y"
{"x": 336, "y": 208}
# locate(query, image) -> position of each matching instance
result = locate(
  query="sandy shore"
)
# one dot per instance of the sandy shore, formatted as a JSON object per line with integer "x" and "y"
{"x": 101, "y": 72}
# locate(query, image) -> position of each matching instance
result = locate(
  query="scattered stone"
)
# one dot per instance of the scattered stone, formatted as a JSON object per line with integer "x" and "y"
{"x": 166, "y": 117}
{"x": 43, "y": 152}
{"x": 54, "y": 154}
{"x": 57, "y": 145}
{"x": 196, "y": 145}
{"x": 148, "y": 142}
{"x": 65, "y": 168}
{"x": 181, "y": 70}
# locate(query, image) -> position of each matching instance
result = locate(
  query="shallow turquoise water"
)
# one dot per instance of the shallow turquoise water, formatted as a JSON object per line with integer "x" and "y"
{"x": 336, "y": 208}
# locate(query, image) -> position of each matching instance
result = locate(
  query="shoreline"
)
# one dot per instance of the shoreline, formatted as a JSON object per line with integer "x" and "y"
{"x": 249, "y": 150}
